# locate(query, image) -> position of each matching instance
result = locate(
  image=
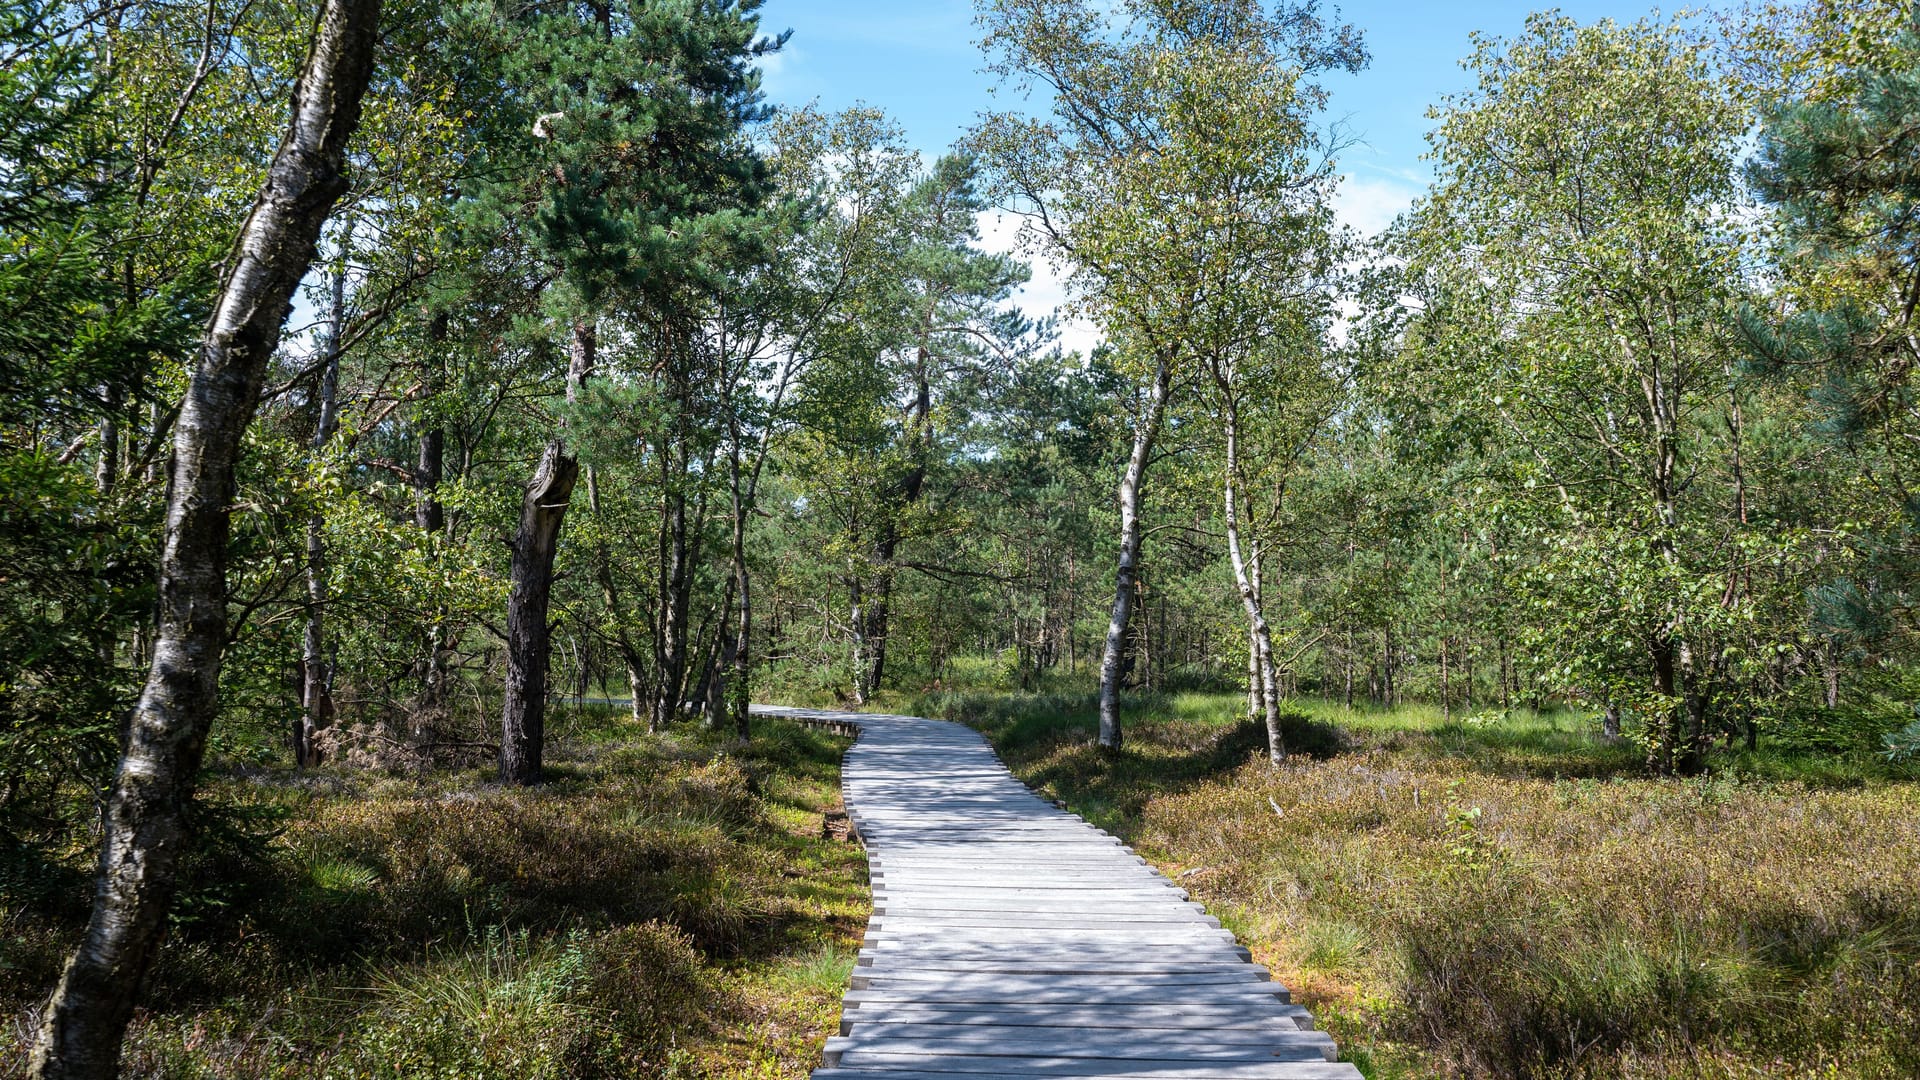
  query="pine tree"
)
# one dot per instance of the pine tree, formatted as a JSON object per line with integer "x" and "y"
{"x": 634, "y": 188}
{"x": 1842, "y": 172}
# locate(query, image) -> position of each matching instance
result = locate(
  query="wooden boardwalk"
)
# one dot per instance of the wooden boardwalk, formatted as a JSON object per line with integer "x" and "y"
{"x": 1010, "y": 938}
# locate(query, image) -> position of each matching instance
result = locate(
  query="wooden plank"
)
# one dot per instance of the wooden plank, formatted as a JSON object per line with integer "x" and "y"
{"x": 867, "y": 1062}
{"x": 869, "y": 978}
{"x": 1214, "y": 1018}
{"x": 1279, "y": 1046}
{"x": 994, "y": 1038}
{"x": 877, "y": 963}
{"x": 1291, "y": 1071}
{"x": 1069, "y": 994}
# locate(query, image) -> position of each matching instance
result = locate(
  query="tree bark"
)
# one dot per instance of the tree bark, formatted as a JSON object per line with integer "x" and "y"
{"x": 143, "y": 832}
{"x": 543, "y": 509}
{"x": 1145, "y": 431}
{"x": 107, "y": 466}
{"x": 670, "y": 645}
{"x": 430, "y": 464}
{"x": 903, "y": 496}
{"x": 1262, "y": 634}
{"x": 739, "y": 687}
{"x": 316, "y": 692}
{"x": 429, "y": 515}
{"x": 857, "y": 621}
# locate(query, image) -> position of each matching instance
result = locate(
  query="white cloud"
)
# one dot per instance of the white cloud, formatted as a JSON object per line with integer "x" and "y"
{"x": 1369, "y": 204}
{"x": 1365, "y": 204}
{"x": 784, "y": 76}
{"x": 1045, "y": 291}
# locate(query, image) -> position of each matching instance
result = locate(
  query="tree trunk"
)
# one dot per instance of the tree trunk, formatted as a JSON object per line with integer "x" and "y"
{"x": 1256, "y": 701}
{"x": 316, "y": 692}
{"x": 857, "y": 622}
{"x": 739, "y": 687}
{"x": 670, "y": 646}
{"x": 1250, "y": 595}
{"x": 1347, "y": 660}
{"x": 429, "y": 515}
{"x": 1446, "y": 639}
{"x": 1145, "y": 431}
{"x": 430, "y": 464}
{"x": 903, "y": 496}
{"x": 878, "y": 614}
{"x": 1506, "y": 673}
{"x": 107, "y": 466}
{"x": 543, "y": 509}
{"x": 86, "y": 1019}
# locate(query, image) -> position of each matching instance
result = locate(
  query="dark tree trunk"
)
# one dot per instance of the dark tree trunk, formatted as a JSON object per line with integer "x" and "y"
{"x": 902, "y": 498}
{"x": 143, "y": 832}
{"x": 543, "y": 509}
{"x": 739, "y": 686}
{"x": 429, "y": 470}
{"x": 878, "y": 615}
{"x": 1126, "y": 572}
{"x": 670, "y": 646}
{"x": 316, "y": 692}
{"x": 429, "y": 515}
{"x": 529, "y": 636}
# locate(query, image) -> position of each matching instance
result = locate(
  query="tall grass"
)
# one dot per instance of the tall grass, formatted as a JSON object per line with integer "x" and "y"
{"x": 1509, "y": 896}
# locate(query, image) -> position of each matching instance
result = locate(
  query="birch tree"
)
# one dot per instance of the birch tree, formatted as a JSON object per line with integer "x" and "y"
{"x": 1126, "y": 183}
{"x": 1586, "y": 267}
{"x": 86, "y": 1019}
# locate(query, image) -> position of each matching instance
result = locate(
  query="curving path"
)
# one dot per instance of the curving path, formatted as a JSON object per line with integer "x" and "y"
{"x": 1010, "y": 938}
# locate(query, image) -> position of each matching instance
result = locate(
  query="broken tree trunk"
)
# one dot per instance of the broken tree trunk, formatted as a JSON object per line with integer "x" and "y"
{"x": 543, "y": 509}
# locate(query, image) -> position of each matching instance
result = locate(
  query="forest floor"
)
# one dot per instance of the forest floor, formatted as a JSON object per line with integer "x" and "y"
{"x": 664, "y": 907}
{"x": 1509, "y": 895}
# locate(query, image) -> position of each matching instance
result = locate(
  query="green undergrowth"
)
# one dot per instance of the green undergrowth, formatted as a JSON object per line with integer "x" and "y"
{"x": 667, "y": 906}
{"x": 1509, "y": 895}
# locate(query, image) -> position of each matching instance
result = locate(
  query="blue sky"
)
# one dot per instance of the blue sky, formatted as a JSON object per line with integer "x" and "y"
{"x": 918, "y": 60}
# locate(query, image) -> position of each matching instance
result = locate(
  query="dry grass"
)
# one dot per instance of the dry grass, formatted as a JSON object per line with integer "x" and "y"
{"x": 662, "y": 908}
{"x": 1449, "y": 907}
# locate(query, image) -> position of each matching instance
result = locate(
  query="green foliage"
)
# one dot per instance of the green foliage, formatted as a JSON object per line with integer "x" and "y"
{"x": 1904, "y": 744}
{"x": 1842, "y": 171}
{"x": 1577, "y": 277}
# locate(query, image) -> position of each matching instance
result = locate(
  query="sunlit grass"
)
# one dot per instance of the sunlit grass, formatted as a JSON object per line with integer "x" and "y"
{"x": 1508, "y": 893}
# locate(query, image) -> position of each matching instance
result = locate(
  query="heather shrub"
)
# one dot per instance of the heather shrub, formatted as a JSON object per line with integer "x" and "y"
{"x": 629, "y": 919}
